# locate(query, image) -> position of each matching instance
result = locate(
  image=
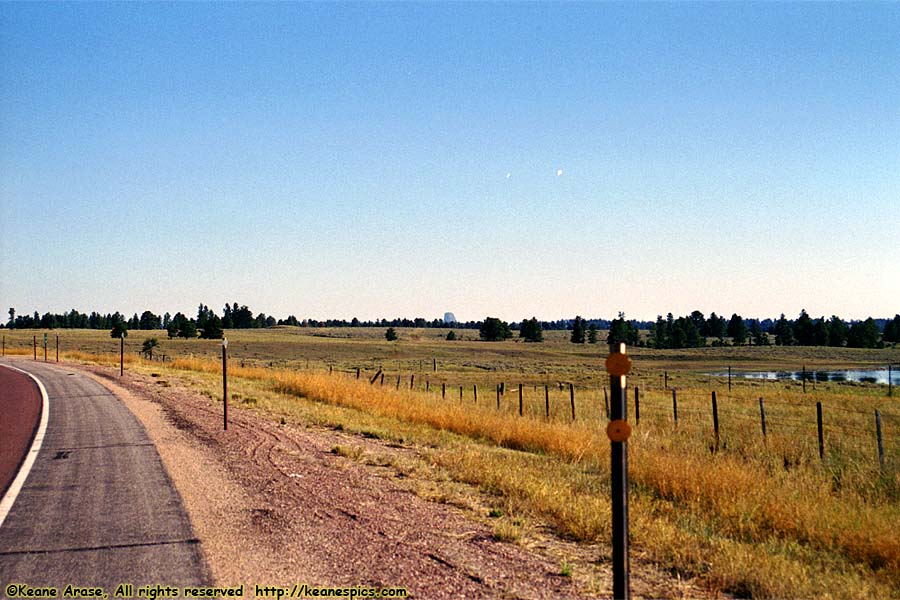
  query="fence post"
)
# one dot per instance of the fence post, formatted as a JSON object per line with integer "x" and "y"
{"x": 382, "y": 378}
{"x": 572, "y": 398}
{"x": 34, "y": 342}
{"x": 675, "y": 406}
{"x": 547, "y": 401}
{"x": 434, "y": 364}
{"x": 762, "y": 417}
{"x": 821, "y": 433}
{"x": 330, "y": 369}
{"x": 618, "y": 366}
{"x": 606, "y": 401}
{"x": 427, "y": 386}
{"x": 460, "y": 393}
{"x": 357, "y": 372}
{"x": 729, "y": 378}
{"x": 520, "y": 400}
{"x": 375, "y": 378}
{"x": 412, "y": 380}
{"x": 878, "y": 435}
{"x": 443, "y": 390}
{"x": 715, "y": 411}
{"x": 498, "y": 396}
{"x": 637, "y": 406}
{"x": 398, "y": 381}
{"x": 57, "y": 348}
{"x": 804, "y": 379}
{"x": 666, "y": 376}
{"x": 890, "y": 383}
{"x": 122, "y": 354}
{"x": 475, "y": 392}
{"x": 4, "y": 347}
{"x": 225, "y": 384}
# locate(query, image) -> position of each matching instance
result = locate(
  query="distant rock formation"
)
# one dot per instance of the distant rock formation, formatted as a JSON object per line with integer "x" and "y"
{"x": 449, "y": 317}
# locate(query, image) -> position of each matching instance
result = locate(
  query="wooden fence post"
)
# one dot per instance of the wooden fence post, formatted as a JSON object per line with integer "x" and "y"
{"x": 520, "y": 400}
{"x": 821, "y": 433}
{"x": 412, "y": 380}
{"x": 427, "y": 386}
{"x": 675, "y": 406}
{"x": 398, "y": 381}
{"x": 715, "y": 411}
{"x": 729, "y": 378}
{"x": 382, "y": 378}
{"x": 498, "y": 396}
{"x": 547, "y": 401}
{"x": 434, "y": 364}
{"x": 460, "y": 393}
{"x": 443, "y": 390}
{"x": 572, "y": 398}
{"x": 475, "y": 392}
{"x": 34, "y": 341}
{"x": 762, "y": 417}
{"x": 878, "y": 435}
{"x": 357, "y": 372}
{"x": 666, "y": 376}
{"x": 606, "y": 401}
{"x": 375, "y": 378}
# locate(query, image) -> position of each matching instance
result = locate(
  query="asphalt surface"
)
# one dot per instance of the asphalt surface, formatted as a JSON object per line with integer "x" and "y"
{"x": 98, "y": 508}
{"x": 20, "y": 413}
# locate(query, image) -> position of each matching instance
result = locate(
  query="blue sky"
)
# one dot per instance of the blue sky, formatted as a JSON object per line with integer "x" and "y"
{"x": 381, "y": 160}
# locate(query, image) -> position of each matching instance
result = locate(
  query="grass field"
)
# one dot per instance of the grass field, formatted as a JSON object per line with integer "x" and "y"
{"x": 760, "y": 517}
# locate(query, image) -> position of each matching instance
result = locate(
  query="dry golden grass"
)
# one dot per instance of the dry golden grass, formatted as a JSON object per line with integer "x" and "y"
{"x": 762, "y": 518}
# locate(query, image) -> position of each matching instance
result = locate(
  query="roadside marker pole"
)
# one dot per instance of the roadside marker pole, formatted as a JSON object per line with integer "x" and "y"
{"x": 618, "y": 365}
{"x": 57, "y": 348}
{"x": 122, "y": 354}
{"x": 34, "y": 343}
{"x": 225, "y": 384}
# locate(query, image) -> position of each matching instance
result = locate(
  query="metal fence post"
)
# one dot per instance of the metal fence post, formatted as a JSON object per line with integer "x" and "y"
{"x": 618, "y": 365}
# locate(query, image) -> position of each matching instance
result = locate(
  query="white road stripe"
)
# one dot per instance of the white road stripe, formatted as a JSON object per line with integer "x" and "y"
{"x": 12, "y": 493}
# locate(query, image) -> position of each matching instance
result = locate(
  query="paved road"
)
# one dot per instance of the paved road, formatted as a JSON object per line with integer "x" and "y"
{"x": 97, "y": 508}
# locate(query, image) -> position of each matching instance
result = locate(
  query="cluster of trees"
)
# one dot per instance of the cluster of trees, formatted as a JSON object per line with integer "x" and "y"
{"x": 690, "y": 331}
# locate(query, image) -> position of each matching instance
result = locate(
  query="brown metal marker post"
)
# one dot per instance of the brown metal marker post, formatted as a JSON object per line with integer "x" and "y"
{"x": 34, "y": 343}
{"x": 618, "y": 365}
{"x": 57, "y": 348}
{"x": 225, "y": 384}
{"x": 122, "y": 354}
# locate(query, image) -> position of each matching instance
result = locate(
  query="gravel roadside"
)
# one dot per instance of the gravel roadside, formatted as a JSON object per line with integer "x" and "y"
{"x": 273, "y": 504}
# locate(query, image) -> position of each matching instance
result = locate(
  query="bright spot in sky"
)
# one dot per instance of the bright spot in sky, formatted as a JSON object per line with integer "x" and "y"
{"x": 508, "y": 175}
{"x": 559, "y": 172}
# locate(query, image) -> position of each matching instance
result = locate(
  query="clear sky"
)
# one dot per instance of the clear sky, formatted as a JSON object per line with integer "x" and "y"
{"x": 382, "y": 160}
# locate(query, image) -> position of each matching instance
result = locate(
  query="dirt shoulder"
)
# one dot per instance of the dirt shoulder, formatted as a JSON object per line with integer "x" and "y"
{"x": 275, "y": 504}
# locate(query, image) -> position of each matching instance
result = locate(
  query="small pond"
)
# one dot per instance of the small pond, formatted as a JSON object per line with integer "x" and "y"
{"x": 836, "y": 375}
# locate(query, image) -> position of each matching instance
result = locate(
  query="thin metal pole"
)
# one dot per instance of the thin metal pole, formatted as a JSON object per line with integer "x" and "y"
{"x": 121, "y": 355}
{"x": 618, "y": 431}
{"x": 675, "y": 406}
{"x": 475, "y": 392}
{"x": 572, "y": 398}
{"x": 821, "y": 433}
{"x": 762, "y": 417}
{"x": 34, "y": 342}
{"x": 729, "y": 378}
{"x": 224, "y": 387}
{"x": 715, "y": 411}
{"x": 878, "y": 435}
{"x": 57, "y": 348}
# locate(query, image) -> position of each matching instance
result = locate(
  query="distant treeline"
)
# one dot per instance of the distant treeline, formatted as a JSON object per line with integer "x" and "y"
{"x": 690, "y": 331}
